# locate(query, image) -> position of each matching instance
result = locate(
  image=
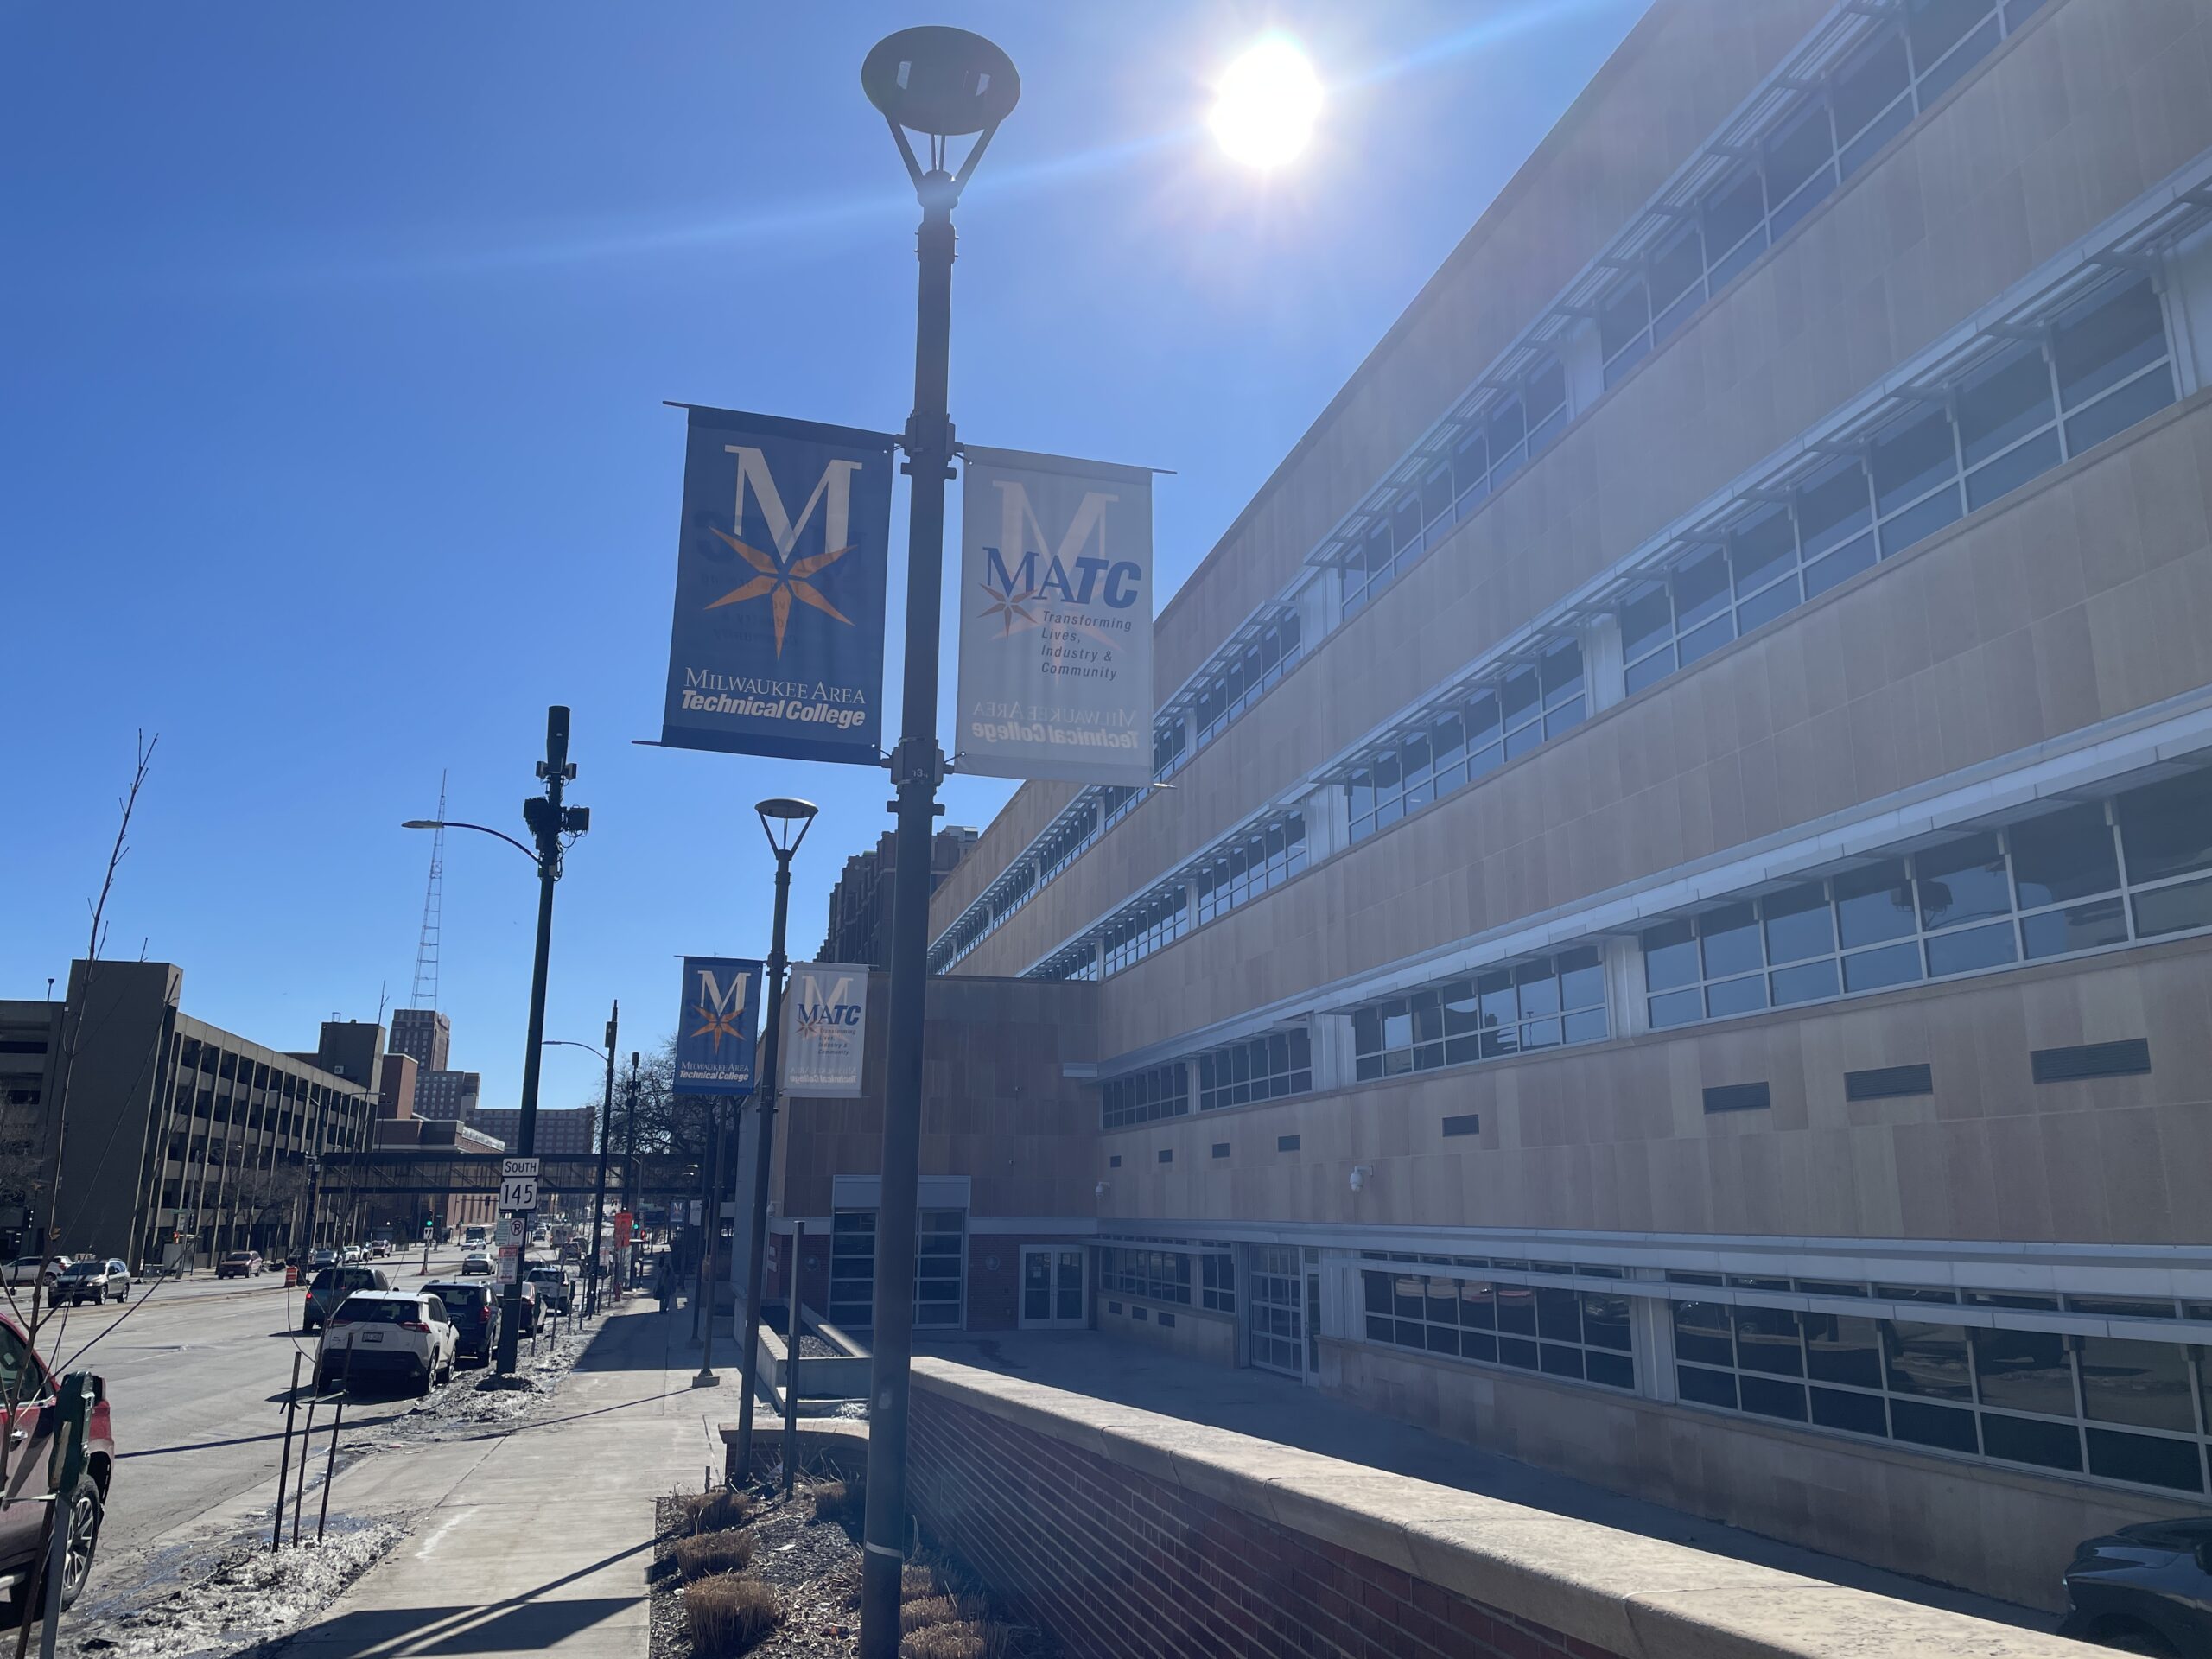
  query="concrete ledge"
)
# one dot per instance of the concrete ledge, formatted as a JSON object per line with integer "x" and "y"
{"x": 1625, "y": 1594}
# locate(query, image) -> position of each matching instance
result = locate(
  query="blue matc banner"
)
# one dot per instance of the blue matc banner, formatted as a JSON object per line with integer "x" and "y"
{"x": 777, "y": 645}
{"x": 713, "y": 1037}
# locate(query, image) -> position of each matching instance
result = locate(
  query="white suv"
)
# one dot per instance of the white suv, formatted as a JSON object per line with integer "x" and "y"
{"x": 381, "y": 1332}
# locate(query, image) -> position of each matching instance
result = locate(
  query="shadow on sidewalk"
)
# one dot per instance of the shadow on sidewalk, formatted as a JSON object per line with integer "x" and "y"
{"x": 520, "y": 1623}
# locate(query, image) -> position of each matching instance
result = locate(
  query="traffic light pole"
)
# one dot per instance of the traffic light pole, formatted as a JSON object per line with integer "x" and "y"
{"x": 547, "y": 818}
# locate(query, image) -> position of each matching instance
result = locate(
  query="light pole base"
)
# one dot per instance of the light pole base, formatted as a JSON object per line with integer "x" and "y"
{"x": 706, "y": 1379}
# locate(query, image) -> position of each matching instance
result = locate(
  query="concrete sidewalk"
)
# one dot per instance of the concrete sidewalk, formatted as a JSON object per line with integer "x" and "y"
{"x": 543, "y": 1542}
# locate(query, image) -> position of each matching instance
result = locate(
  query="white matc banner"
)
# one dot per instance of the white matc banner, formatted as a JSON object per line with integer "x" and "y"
{"x": 825, "y": 1027}
{"x": 1055, "y": 619}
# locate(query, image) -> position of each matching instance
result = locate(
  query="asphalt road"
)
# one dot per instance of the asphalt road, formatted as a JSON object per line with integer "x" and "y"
{"x": 198, "y": 1371}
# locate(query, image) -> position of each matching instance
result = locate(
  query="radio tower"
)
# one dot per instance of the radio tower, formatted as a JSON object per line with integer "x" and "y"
{"x": 426, "y": 953}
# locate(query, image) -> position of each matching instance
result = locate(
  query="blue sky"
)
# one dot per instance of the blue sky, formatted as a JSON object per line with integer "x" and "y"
{"x": 333, "y": 446}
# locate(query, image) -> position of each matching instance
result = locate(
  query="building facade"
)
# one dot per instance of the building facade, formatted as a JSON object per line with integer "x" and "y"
{"x": 179, "y": 1137}
{"x": 1680, "y": 948}
{"x": 559, "y": 1129}
{"x": 860, "y": 905}
{"x": 425, "y": 1033}
{"x": 451, "y": 1096}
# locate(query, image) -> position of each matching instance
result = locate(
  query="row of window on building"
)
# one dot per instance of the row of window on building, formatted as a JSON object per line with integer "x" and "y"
{"x": 1273, "y": 1066}
{"x": 1186, "y": 1278}
{"x": 2104, "y": 364}
{"x": 2134, "y": 865}
{"x": 2110, "y": 1409}
{"x": 1835, "y": 521}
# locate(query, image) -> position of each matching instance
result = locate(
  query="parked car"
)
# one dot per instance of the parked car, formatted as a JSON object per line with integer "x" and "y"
{"x": 36, "y": 1269}
{"x": 239, "y": 1264}
{"x": 555, "y": 1290}
{"x": 387, "y": 1333}
{"x": 476, "y": 1262}
{"x": 332, "y": 1285}
{"x": 92, "y": 1279}
{"x": 2145, "y": 1589}
{"x": 25, "y": 1377}
{"x": 474, "y": 1310}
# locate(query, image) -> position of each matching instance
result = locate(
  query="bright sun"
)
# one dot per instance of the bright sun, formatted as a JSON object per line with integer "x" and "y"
{"x": 1264, "y": 107}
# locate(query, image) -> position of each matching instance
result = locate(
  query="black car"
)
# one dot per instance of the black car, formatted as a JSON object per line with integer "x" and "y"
{"x": 2145, "y": 1589}
{"x": 474, "y": 1311}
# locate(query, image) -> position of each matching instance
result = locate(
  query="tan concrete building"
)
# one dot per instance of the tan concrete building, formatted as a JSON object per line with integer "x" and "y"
{"x": 1681, "y": 946}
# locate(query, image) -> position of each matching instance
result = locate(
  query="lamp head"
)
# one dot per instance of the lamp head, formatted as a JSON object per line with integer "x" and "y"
{"x": 421, "y": 824}
{"x": 945, "y": 82}
{"x": 785, "y": 818}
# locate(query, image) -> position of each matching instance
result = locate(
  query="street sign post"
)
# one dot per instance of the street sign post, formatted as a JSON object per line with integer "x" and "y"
{"x": 519, "y": 1184}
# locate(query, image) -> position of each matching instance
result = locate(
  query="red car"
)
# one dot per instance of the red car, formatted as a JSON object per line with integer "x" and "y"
{"x": 31, "y": 1435}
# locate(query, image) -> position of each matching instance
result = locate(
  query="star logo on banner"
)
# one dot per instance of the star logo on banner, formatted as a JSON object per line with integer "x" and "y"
{"x": 780, "y": 584}
{"x": 1007, "y": 605}
{"x": 714, "y": 1027}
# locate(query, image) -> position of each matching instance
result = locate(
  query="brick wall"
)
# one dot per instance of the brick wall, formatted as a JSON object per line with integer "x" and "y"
{"x": 1117, "y": 1564}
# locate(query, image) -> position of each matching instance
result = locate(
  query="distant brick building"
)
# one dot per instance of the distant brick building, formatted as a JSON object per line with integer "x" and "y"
{"x": 860, "y": 905}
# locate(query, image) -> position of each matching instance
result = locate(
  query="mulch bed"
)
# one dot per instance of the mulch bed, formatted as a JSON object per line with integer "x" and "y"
{"x": 815, "y": 1566}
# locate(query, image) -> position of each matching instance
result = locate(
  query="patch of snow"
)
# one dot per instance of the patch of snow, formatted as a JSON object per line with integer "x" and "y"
{"x": 250, "y": 1596}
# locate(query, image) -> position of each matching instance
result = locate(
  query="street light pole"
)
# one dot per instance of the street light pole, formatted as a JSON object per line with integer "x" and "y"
{"x": 777, "y": 818}
{"x": 631, "y": 1200}
{"x": 942, "y": 83}
{"x": 606, "y": 1134}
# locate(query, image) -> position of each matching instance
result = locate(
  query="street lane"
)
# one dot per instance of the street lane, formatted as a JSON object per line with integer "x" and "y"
{"x": 197, "y": 1376}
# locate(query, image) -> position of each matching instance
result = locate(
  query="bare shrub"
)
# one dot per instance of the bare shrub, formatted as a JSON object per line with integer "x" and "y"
{"x": 837, "y": 1500}
{"x": 706, "y": 1553}
{"x": 713, "y": 1512}
{"x": 729, "y": 1613}
{"x": 954, "y": 1641}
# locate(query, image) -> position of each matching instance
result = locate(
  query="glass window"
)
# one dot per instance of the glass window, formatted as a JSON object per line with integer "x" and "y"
{"x": 2146, "y": 1460}
{"x": 1928, "y": 1360}
{"x": 1843, "y": 1348}
{"x": 1911, "y": 458}
{"x": 2023, "y": 1370}
{"x": 1963, "y": 880}
{"x": 2003, "y": 401}
{"x": 2142, "y": 1383}
{"x": 1832, "y": 507}
{"x": 1729, "y": 939}
{"x": 2166, "y": 827}
{"x": 1798, "y": 924}
{"x": 2102, "y": 340}
{"x": 1869, "y": 81}
{"x": 2064, "y": 855}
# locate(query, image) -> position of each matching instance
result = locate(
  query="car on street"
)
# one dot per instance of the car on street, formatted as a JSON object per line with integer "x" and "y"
{"x": 379, "y": 1247}
{"x": 2144, "y": 1589}
{"x": 555, "y": 1290}
{"x": 406, "y": 1333}
{"x": 332, "y": 1285}
{"x": 24, "y": 1377}
{"x": 476, "y": 1262}
{"x": 239, "y": 1264}
{"x": 318, "y": 1259}
{"x": 92, "y": 1279}
{"x": 474, "y": 1310}
{"x": 36, "y": 1269}
{"x": 352, "y": 1254}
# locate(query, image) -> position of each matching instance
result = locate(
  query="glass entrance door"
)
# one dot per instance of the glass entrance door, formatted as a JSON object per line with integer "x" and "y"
{"x": 1051, "y": 1285}
{"x": 1276, "y": 1309}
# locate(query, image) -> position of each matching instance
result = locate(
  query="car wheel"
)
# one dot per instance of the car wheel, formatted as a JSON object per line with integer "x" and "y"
{"x": 423, "y": 1383}
{"x": 85, "y": 1513}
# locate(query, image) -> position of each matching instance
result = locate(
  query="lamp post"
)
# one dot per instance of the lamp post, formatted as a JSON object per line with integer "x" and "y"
{"x": 632, "y": 1201}
{"x": 784, "y": 821}
{"x": 606, "y": 1130}
{"x": 547, "y": 820}
{"x": 941, "y": 83}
